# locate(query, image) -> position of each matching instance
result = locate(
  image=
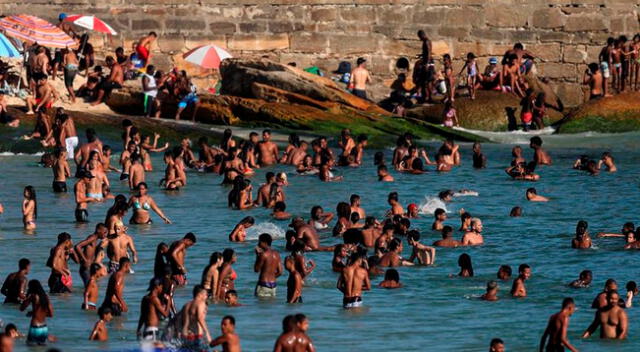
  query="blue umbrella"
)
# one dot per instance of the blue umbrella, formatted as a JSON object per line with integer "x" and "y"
{"x": 6, "y": 48}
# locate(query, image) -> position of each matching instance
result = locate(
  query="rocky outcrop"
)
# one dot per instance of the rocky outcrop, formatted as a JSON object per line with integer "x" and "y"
{"x": 620, "y": 113}
{"x": 490, "y": 111}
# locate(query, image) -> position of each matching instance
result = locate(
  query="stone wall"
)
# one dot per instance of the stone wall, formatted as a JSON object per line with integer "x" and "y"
{"x": 565, "y": 34}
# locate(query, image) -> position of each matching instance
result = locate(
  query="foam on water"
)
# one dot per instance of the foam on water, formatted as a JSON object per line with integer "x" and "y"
{"x": 430, "y": 204}
{"x": 265, "y": 227}
{"x": 511, "y": 137}
{"x": 18, "y": 154}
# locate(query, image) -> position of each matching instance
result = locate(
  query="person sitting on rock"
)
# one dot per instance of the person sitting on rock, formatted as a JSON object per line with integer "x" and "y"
{"x": 114, "y": 81}
{"x": 186, "y": 93}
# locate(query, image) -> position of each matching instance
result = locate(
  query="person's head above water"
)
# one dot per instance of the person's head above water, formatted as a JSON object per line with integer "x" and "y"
{"x": 515, "y": 212}
{"x": 535, "y": 142}
{"x": 581, "y": 228}
{"x": 586, "y": 276}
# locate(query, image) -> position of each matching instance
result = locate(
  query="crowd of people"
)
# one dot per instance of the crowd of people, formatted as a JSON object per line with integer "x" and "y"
{"x": 369, "y": 247}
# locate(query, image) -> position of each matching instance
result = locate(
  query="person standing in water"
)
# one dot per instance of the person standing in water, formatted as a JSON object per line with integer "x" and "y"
{"x": 611, "y": 319}
{"x": 14, "y": 287}
{"x": 267, "y": 150}
{"x": 141, "y": 204}
{"x": 60, "y": 171}
{"x": 229, "y": 340}
{"x": 269, "y": 265}
{"x": 557, "y": 327}
{"x": 353, "y": 280}
{"x": 82, "y": 197}
{"x": 518, "y": 289}
{"x": 194, "y": 324}
{"x": 152, "y": 310}
{"x": 60, "y": 278}
{"x": 540, "y": 156}
{"x": 360, "y": 77}
{"x": 474, "y": 236}
{"x": 114, "y": 298}
{"x": 29, "y": 208}
{"x": 41, "y": 310}
{"x": 177, "y": 254}
{"x": 582, "y": 239}
{"x": 86, "y": 250}
{"x": 100, "y": 332}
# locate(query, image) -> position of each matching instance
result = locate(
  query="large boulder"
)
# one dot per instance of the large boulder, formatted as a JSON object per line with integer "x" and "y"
{"x": 619, "y": 113}
{"x": 490, "y": 111}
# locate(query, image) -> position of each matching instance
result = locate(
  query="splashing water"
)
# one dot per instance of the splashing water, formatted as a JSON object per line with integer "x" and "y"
{"x": 430, "y": 205}
{"x": 266, "y": 227}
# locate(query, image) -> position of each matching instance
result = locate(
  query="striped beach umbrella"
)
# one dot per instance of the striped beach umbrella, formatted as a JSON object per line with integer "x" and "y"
{"x": 6, "y": 47}
{"x": 207, "y": 56}
{"x": 37, "y": 30}
{"x": 92, "y": 23}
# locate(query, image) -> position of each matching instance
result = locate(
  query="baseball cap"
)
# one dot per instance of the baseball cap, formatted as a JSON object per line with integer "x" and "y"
{"x": 62, "y": 16}
{"x": 361, "y": 60}
{"x": 493, "y": 61}
{"x": 412, "y": 207}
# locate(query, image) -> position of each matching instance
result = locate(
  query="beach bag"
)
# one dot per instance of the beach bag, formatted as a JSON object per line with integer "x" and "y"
{"x": 344, "y": 67}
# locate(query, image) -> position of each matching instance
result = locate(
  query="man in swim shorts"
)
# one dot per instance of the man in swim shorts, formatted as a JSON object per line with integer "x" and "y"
{"x": 353, "y": 280}
{"x": 557, "y": 327}
{"x": 143, "y": 48}
{"x": 45, "y": 95}
{"x": 269, "y": 265}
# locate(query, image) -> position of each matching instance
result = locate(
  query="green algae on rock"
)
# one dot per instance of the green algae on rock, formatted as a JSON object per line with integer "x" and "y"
{"x": 619, "y": 113}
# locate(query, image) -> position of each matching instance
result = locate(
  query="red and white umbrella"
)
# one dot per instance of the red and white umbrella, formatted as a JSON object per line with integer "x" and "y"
{"x": 207, "y": 56}
{"x": 92, "y": 23}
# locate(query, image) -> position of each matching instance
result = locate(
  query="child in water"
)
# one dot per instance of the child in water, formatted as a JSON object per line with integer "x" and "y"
{"x": 391, "y": 279}
{"x": 100, "y": 332}
{"x": 426, "y": 255}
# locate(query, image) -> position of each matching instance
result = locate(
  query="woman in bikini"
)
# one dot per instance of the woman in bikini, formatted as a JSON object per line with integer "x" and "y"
{"x": 148, "y": 147}
{"x": 29, "y": 208}
{"x": 141, "y": 205}
{"x": 211, "y": 274}
{"x": 227, "y": 274}
{"x": 239, "y": 233}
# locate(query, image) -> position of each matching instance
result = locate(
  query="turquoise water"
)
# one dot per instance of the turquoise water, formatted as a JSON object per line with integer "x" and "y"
{"x": 432, "y": 313}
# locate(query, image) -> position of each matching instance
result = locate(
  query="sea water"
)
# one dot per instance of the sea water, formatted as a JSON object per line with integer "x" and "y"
{"x": 433, "y": 312}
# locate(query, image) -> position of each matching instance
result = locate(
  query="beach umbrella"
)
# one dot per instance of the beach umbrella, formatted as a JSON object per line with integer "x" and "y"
{"x": 92, "y": 23}
{"x": 6, "y": 48}
{"x": 207, "y": 56}
{"x": 37, "y": 30}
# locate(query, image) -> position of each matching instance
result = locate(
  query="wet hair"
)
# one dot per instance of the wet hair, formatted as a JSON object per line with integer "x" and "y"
{"x": 343, "y": 210}
{"x": 447, "y": 231}
{"x": 567, "y": 302}
{"x": 631, "y": 286}
{"x": 191, "y": 237}
{"x": 63, "y": 237}
{"x": 215, "y": 256}
{"x": 23, "y": 263}
{"x": 492, "y": 285}
{"x": 439, "y": 212}
{"x": 228, "y": 254}
{"x": 378, "y": 158}
{"x": 373, "y": 261}
{"x": 405, "y": 222}
{"x": 392, "y": 275}
{"x": 197, "y": 289}
{"x": 515, "y": 212}
{"x": 532, "y": 190}
{"x": 32, "y": 196}
{"x": 611, "y": 293}
{"x": 444, "y": 194}
{"x": 10, "y": 327}
{"x": 354, "y": 217}
{"x": 585, "y": 273}
{"x": 417, "y": 164}
{"x": 230, "y": 318}
{"x": 288, "y": 324}
{"x": 536, "y": 141}
{"x": 353, "y": 198}
{"x": 352, "y": 236}
{"x": 464, "y": 216}
{"x": 232, "y": 293}
{"x": 506, "y": 269}
{"x": 464, "y": 262}
{"x": 394, "y": 244}
{"x": 413, "y": 235}
{"x": 518, "y": 46}
{"x": 104, "y": 311}
{"x": 393, "y": 196}
{"x": 582, "y": 224}
{"x": 94, "y": 268}
{"x": 123, "y": 261}
{"x": 34, "y": 287}
{"x": 522, "y": 267}
{"x": 265, "y": 238}
{"x": 382, "y": 167}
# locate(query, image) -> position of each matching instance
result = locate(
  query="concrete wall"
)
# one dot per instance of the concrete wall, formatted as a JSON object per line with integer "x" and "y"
{"x": 565, "y": 34}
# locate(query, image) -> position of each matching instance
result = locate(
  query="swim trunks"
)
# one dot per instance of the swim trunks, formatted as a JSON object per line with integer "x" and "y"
{"x": 190, "y": 98}
{"x": 82, "y": 215}
{"x": 95, "y": 195}
{"x": 71, "y": 143}
{"x": 143, "y": 53}
{"x": 151, "y": 334}
{"x": 47, "y": 106}
{"x": 124, "y": 176}
{"x": 38, "y": 334}
{"x": 59, "y": 187}
{"x": 604, "y": 67}
{"x": 180, "y": 280}
{"x": 360, "y": 93}
{"x": 113, "y": 267}
{"x": 352, "y": 302}
{"x": 57, "y": 284}
{"x": 69, "y": 75}
{"x": 526, "y": 117}
{"x": 265, "y": 289}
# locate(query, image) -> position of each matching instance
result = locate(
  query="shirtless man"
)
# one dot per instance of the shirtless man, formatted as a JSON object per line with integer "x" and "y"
{"x": 114, "y": 81}
{"x": 607, "y": 162}
{"x": 447, "y": 239}
{"x": 353, "y": 280}
{"x": 612, "y": 320}
{"x": 118, "y": 246}
{"x": 492, "y": 292}
{"x": 518, "y": 289}
{"x": 60, "y": 278}
{"x": 151, "y": 311}
{"x": 392, "y": 257}
{"x": 83, "y": 154}
{"x": 426, "y": 255}
{"x": 370, "y": 232}
{"x": 171, "y": 180}
{"x": 267, "y": 150}
{"x": 60, "y": 171}
{"x": 360, "y": 77}
{"x": 540, "y": 156}
{"x": 440, "y": 216}
{"x": 532, "y": 195}
{"x": 307, "y": 234}
{"x": 177, "y": 254}
{"x": 82, "y": 198}
{"x": 269, "y": 265}
{"x": 194, "y": 324}
{"x": 99, "y": 187}
{"x": 114, "y": 298}
{"x": 474, "y": 236}
{"x": 294, "y": 337}
{"x": 263, "y": 192}
{"x": 557, "y": 328}
{"x": 100, "y": 332}
{"x": 45, "y": 95}
{"x": 383, "y": 174}
{"x": 355, "y": 206}
{"x": 593, "y": 78}
{"x": 396, "y": 207}
{"x": 91, "y": 290}
{"x": 229, "y": 340}
{"x": 136, "y": 171}
{"x": 86, "y": 250}
{"x": 14, "y": 287}
{"x": 582, "y": 239}
{"x": 601, "y": 299}
{"x": 143, "y": 48}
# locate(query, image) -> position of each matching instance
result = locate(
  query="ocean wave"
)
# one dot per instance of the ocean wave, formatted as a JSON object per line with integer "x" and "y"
{"x": 430, "y": 204}
{"x": 19, "y": 154}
